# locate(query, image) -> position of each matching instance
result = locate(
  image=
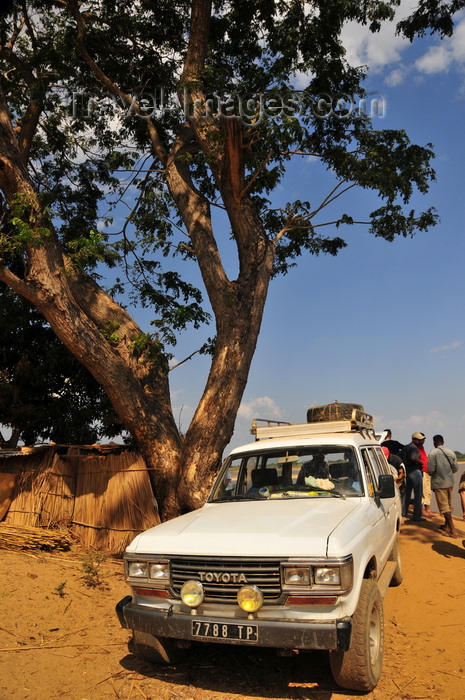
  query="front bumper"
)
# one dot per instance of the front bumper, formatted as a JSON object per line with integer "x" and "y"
{"x": 332, "y": 635}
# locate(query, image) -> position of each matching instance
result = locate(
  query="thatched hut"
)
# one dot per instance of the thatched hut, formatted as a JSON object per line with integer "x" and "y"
{"x": 100, "y": 493}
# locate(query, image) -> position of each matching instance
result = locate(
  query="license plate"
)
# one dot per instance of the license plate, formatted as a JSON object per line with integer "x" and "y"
{"x": 217, "y": 630}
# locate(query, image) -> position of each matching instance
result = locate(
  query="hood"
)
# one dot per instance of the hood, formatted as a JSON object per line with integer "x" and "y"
{"x": 294, "y": 527}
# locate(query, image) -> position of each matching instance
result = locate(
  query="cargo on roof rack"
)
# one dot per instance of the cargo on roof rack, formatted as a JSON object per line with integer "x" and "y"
{"x": 335, "y": 411}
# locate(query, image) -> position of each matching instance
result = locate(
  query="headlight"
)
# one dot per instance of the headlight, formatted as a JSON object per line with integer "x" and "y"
{"x": 250, "y": 598}
{"x": 160, "y": 572}
{"x": 327, "y": 576}
{"x": 340, "y": 576}
{"x": 296, "y": 575}
{"x": 138, "y": 569}
{"x": 192, "y": 593}
{"x": 157, "y": 572}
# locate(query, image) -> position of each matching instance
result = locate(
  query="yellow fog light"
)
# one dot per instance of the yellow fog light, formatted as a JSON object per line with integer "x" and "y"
{"x": 192, "y": 593}
{"x": 250, "y": 598}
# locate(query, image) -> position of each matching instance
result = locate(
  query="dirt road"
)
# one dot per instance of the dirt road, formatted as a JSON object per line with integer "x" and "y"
{"x": 61, "y": 639}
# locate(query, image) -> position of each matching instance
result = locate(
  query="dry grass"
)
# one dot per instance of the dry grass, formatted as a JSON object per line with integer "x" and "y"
{"x": 26, "y": 537}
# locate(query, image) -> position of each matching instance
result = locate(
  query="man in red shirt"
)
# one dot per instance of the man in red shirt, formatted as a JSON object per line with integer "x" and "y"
{"x": 426, "y": 499}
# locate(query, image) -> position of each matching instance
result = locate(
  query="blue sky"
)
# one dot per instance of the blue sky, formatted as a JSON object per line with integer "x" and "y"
{"x": 382, "y": 323}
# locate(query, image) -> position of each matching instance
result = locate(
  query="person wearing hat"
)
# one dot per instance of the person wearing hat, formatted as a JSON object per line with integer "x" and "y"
{"x": 442, "y": 465}
{"x": 414, "y": 473}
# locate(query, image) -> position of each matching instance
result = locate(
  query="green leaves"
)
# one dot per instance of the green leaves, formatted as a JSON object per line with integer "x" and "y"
{"x": 110, "y": 332}
{"x": 45, "y": 393}
{"x": 390, "y": 221}
{"x": 87, "y": 251}
{"x": 432, "y": 16}
{"x": 21, "y": 227}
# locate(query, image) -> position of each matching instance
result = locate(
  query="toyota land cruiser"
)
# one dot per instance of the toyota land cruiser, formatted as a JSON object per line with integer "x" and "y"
{"x": 294, "y": 549}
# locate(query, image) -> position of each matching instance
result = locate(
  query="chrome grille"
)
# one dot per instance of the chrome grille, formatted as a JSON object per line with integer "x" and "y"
{"x": 264, "y": 573}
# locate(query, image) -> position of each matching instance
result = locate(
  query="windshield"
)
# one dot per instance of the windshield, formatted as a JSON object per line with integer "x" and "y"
{"x": 305, "y": 472}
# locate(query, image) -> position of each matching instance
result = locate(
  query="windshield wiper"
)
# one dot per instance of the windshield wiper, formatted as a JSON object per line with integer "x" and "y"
{"x": 240, "y": 497}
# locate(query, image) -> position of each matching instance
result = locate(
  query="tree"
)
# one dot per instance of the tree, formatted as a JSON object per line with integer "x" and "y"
{"x": 433, "y": 16}
{"x": 45, "y": 393}
{"x": 193, "y": 102}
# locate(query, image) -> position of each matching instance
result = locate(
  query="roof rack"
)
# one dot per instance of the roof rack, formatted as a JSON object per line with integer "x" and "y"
{"x": 358, "y": 422}
{"x": 269, "y": 423}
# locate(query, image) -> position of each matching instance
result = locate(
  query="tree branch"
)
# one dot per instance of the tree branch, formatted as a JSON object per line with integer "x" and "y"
{"x": 331, "y": 196}
{"x": 256, "y": 174}
{"x": 109, "y": 85}
{"x": 19, "y": 285}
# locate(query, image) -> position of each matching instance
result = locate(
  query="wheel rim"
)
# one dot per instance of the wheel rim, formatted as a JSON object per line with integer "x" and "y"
{"x": 375, "y": 636}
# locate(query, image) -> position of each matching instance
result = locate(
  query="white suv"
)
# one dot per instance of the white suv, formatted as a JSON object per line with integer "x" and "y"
{"x": 294, "y": 549}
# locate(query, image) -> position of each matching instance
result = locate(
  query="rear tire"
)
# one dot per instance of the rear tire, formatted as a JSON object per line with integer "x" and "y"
{"x": 360, "y": 667}
{"x": 157, "y": 650}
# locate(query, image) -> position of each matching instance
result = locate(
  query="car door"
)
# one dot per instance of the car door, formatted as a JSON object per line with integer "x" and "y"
{"x": 382, "y": 509}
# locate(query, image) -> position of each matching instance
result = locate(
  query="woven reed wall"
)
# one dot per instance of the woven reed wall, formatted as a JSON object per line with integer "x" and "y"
{"x": 32, "y": 474}
{"x": 103, "y": 499}
{"x": 113, "y": 501}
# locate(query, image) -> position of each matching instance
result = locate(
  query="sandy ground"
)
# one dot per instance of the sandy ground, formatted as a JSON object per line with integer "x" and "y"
{"x": 61, "y": 639}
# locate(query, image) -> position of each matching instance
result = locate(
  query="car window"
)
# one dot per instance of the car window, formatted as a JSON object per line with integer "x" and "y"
{"x": 371, "y": 470}
{"x": 300, "y": 472}
{"x": 383, "y": 466}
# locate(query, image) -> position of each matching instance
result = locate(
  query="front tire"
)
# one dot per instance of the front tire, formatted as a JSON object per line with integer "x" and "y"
{"x": 360, "y": 667}
{"x": 157, "y": 650}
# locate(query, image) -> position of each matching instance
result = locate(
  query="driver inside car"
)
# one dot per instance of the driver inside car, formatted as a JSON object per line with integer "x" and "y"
{"x": 316, "y": 468}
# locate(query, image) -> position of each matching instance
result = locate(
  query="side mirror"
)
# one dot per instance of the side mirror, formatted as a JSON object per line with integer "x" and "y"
{"x": 386, "y": 486}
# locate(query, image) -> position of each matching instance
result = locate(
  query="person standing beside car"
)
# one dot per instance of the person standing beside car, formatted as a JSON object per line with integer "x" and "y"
{"x": 414, "y": 476}
{"x": 396, "y": 462}
{"x": 394, "y": 446}
{"x": 426, "y": 485}
{"x": 442, "y": 465}
{"x": 462, "y": 494}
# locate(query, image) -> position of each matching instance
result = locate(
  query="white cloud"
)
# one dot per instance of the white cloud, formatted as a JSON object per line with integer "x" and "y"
{"x": 436, "y": 60}
{"x": 429, "y": 423}
{"x": 397, "y": 76}
{"x": 376, "y": 50}
{"x": 373, "y": 50}
{"x": 458, "y": 41}
{"x": 385, "y": 49}
{"x": 261, "y": 407}
{"x": 452, "y": 346}
{"x": 448, "y": 54}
